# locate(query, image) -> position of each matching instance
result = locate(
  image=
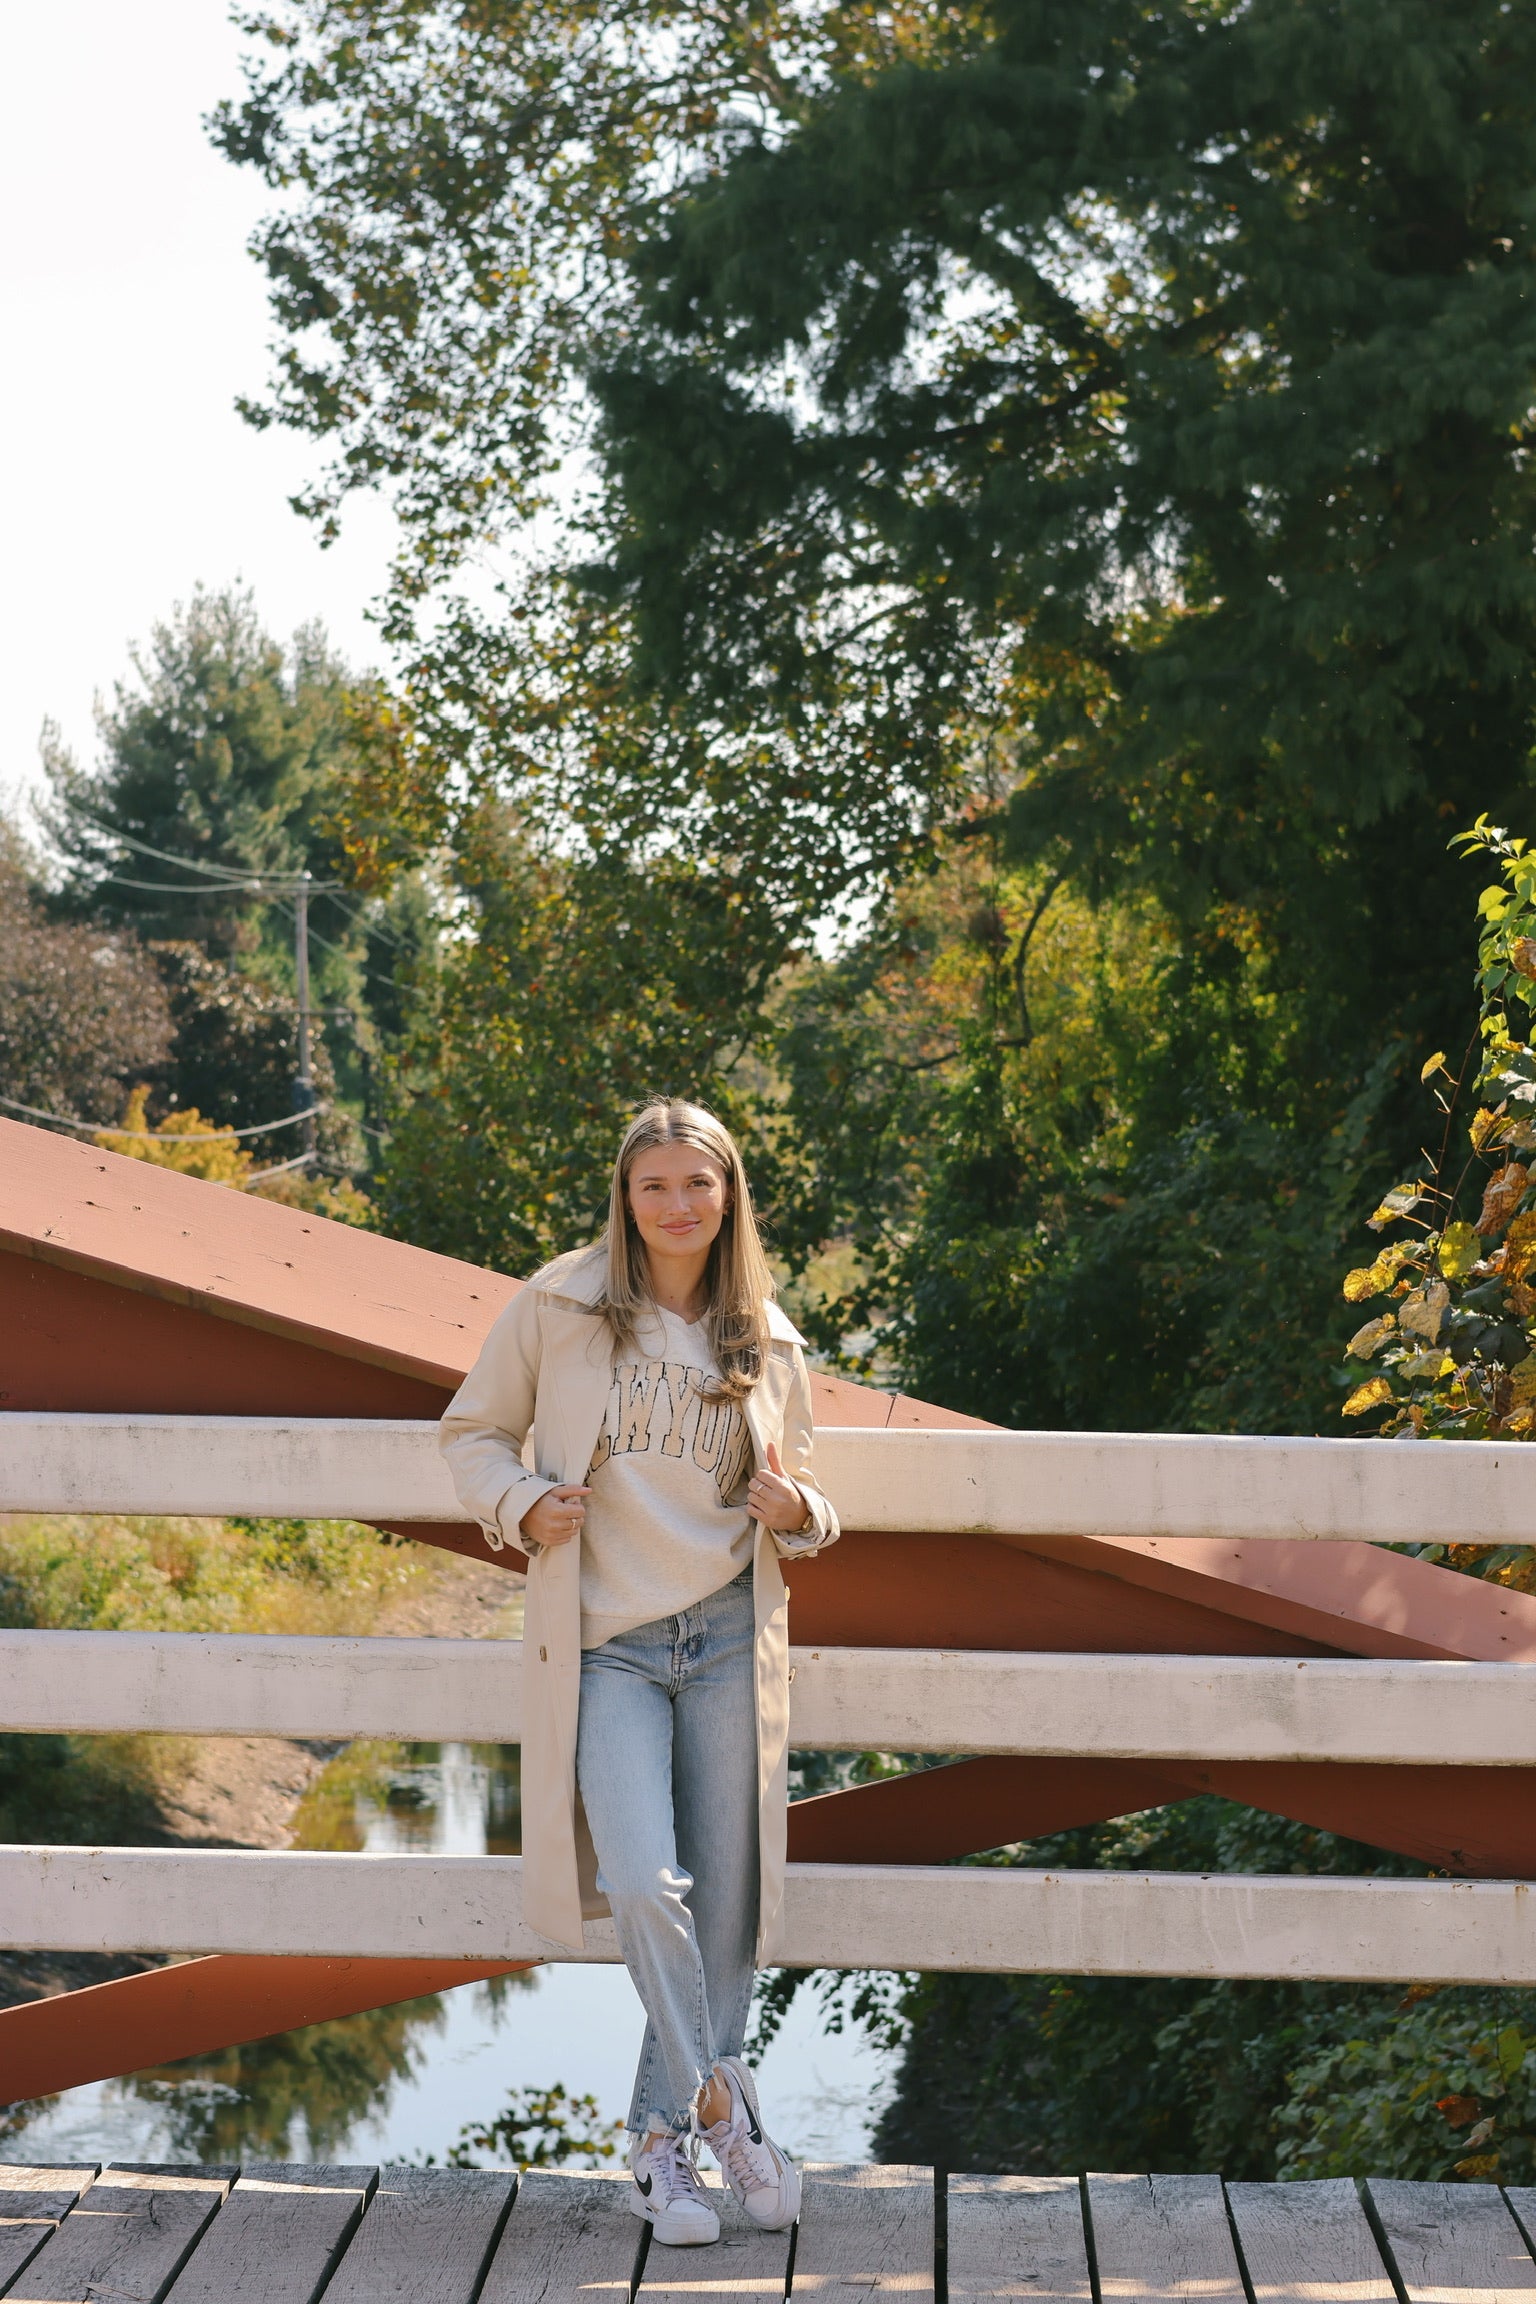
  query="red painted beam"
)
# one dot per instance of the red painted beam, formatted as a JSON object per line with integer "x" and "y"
{"x": 1472, "y": 1822}
{"x": 197, "y": 2007}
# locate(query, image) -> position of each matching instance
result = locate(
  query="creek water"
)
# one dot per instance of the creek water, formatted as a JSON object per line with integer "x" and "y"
{"x": 402, "y": 2083}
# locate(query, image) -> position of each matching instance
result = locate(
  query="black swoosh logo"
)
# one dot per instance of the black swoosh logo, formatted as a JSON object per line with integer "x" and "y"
{"x": 643, "y": 2184}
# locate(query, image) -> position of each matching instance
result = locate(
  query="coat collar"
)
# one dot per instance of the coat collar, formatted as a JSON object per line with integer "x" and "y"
{"x": 579, "y": 1276}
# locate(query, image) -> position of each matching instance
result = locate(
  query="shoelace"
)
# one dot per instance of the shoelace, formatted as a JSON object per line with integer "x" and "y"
{"x": 731, "y": 2150}
{"x": 675, "y": 2169}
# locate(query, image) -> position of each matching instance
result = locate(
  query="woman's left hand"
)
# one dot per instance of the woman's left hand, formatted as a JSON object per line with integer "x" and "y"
{"x": 773, "y": 1498}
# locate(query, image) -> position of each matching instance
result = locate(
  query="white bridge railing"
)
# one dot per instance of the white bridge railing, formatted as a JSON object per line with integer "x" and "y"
{"x": 989, "y": 1483}
{"x": 917, "y": 1700}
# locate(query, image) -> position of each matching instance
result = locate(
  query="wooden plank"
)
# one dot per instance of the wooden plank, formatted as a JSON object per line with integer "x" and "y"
{"x": 567, "y": 2236}
{"x": 1276, "y": 1708}
{"x": 127, "y": 2238}
{"x": 33, "y": 2202}
{"x": 1308, "y": 2244}
{"x": 1161, "y": 2237}
{"x": 743, "y": 2262}
{"x": 278, "y": 2237}
{"x": 1454, "y": 2243}
{"x": 836, "y": 1915}
{"x": 1096, "y": 1484}
{"x": 425, "y": 2238}
{"x": 1522, "y": 2202}
{"x": 863, "y": 2226}
{"x": 1017, "y": 2236}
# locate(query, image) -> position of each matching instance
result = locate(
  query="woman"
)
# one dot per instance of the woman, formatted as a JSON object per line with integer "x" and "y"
{"x": 639, "y": 1423}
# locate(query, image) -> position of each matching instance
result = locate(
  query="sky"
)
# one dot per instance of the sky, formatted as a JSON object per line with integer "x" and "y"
{"x": 132, "y": 318}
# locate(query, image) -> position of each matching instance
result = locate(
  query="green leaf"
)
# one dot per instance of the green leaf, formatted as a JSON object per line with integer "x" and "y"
{"x": 1510, "y": 2047}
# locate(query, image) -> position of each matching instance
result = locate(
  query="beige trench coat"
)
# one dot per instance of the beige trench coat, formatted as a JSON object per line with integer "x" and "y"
{"x": 527, "y": 1419}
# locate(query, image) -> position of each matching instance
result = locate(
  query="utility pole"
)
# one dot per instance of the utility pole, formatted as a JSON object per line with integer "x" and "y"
{"x": 304, "y": 1085}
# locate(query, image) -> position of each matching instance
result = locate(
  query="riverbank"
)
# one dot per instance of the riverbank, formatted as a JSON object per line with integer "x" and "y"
{"x": 214, "y": 1792}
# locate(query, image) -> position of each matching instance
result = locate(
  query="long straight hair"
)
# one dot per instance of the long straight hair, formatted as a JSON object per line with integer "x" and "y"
{"x": 737, "y": 1280}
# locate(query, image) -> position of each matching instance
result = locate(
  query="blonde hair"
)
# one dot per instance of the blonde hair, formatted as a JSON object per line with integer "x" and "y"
{"x": 737, "y": 1279}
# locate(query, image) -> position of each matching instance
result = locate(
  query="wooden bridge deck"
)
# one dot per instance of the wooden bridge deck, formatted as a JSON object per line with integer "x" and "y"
{"x": 288, "y": 2235}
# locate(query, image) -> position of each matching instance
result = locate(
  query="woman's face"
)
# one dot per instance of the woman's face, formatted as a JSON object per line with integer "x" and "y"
{"x": 678, "y": 1197}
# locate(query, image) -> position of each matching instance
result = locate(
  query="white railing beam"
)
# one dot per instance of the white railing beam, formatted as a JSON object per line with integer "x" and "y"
{"x": 841, "y": 1699}
{"x": 837, "y": 1916}
{"x": 1161, "y": 1486}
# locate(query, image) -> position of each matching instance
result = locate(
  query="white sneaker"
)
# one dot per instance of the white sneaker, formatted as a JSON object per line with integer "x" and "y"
{"x": 665, "y": 2189}
{"x": 764, "y": 2179}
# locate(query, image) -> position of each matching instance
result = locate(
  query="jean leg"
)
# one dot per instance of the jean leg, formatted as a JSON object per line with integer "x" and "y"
{"x": 714, "y": 1795}
{"x": 624, "y": 1767}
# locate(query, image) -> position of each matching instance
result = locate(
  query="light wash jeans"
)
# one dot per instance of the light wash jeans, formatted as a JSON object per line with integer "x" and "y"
{"x": 666, "y": 1757}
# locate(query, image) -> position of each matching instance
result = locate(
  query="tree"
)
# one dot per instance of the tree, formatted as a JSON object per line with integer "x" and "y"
{"x": 228, "y": 759}
{"x": 82, "y": 1010}
{"x": 582, "y": 990}
{"x": 1115, "y": 422}
{"x": 220, "y": 761}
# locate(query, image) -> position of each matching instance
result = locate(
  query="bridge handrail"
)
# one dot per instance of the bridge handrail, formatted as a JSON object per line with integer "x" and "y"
{"x": 1070, "y": 1706}
{"x": 1153, "y": 1485}
{"x": 1156, "y": 1488}
{"x": 390, "y": 1906}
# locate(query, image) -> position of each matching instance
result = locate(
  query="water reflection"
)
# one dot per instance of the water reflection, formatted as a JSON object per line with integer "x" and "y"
{"x": 299, "y": 2096}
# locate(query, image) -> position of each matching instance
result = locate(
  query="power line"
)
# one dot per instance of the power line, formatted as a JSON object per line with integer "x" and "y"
{"x": 170, "y": 888}
{"x": 225, "y": 873}
{"x": 157, "y": 1135}
{"x": 283, "y": 1168}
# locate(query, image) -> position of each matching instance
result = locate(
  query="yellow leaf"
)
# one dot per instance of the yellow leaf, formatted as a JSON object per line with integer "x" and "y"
{"x": 1458, "y": 1251}
{"x": 1398, "y": 1202}
{"x": 1520, "y": 1246}
{"x": 1375, "y": 1279}
{"x": 1483, "y": 1124}
{"x": 1373, "y": 1393}
{"x": 1434, "y": 1064}
{"x": 1422, "y": 1312}
{"x": 1426, "y": 1367}
{"x": 1368, "y": 1340}
{"x": 1522, "y": 953}
{"x": 1522, "y": 1382}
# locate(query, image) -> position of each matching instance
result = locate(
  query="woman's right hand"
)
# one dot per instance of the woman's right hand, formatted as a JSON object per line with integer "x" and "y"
{"x": 556, "y": 1517}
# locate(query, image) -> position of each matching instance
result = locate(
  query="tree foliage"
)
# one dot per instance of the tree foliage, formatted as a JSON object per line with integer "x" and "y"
{"x": 82, "y": 1009}
{"x": 1109, "y": 426}
{"x": 1452, "y": 1349}
{"x": 219, "y": 759}
{"x": 576, "y": 992}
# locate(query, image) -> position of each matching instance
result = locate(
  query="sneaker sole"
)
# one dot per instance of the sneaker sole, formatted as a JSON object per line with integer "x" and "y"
{"x": 789, "y": 2187}
{"x": 688, "y": 2232}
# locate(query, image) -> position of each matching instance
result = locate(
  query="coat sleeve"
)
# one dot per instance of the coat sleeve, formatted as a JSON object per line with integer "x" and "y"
{"x": 487, "y": 1421}
{"x": 823, "y": 1527}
